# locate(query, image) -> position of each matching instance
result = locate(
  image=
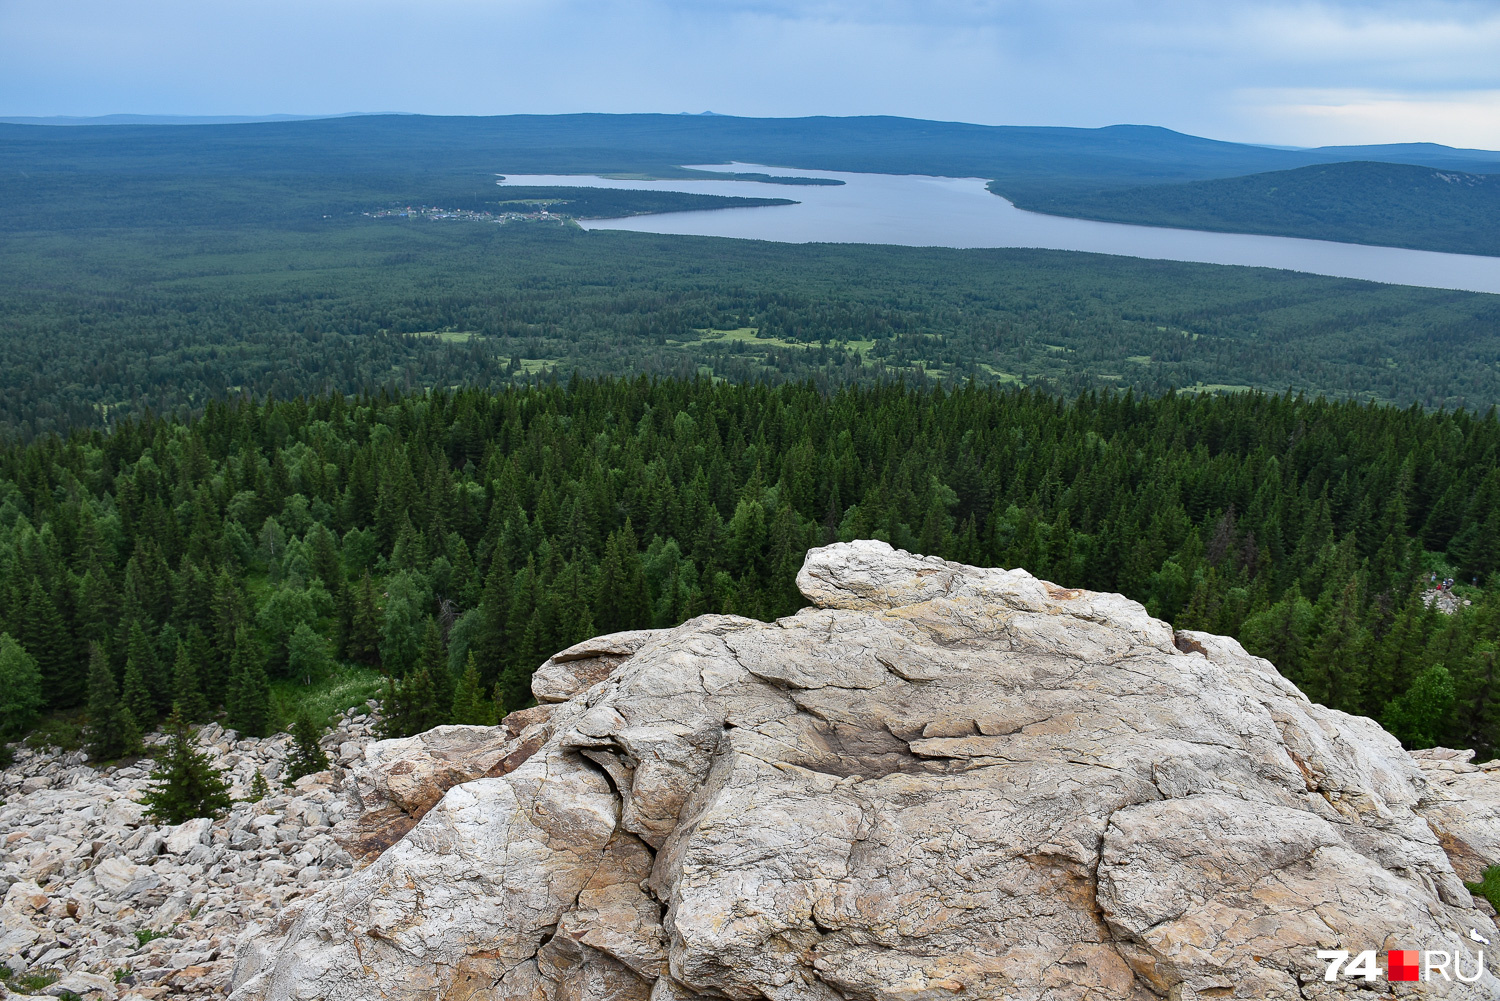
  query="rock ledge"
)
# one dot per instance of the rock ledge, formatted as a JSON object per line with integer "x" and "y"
{"x": 940, "y": 782}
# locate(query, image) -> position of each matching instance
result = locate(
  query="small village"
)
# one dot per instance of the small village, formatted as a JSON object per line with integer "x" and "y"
{"x": 466, "y": 215}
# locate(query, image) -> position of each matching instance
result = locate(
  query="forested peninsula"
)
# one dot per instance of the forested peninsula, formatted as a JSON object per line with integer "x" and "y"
{"x": 432, "y": 549}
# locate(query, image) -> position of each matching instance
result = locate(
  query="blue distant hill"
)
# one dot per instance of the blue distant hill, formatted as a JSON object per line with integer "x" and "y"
{"x": 346, "y": 160}
{"x": 1393, "y": 204}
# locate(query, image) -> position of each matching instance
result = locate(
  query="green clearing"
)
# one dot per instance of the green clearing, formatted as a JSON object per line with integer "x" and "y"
{"x": 345, "y": 687}
{"x": 448, "y": 336}
{"x": 1215, "y": 387}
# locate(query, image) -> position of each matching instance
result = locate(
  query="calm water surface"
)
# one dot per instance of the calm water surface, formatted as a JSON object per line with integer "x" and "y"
{"x": 919, "y": 211}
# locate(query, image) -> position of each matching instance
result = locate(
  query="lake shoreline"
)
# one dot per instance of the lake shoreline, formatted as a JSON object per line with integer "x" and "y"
{"x": 961, "y": 213}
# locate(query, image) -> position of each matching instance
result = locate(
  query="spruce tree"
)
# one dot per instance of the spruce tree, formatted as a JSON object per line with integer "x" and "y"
{"x": 623, "y": 601}
{"x": 187, "y": 695}
{"x": 410, "y": 706}
{"x": 424, "y": 710}
{"x": 492, "y": 643}
{"x": 324, "y": 558}
{"x": 136, "y": 698}
{"x": 434, "y": 659}
{"x": 42, "y": 633}
{"x": 248, "y": 707}
{"x": 307, "y": 756}
{"x": 110, "y": 731}
{"x": 186, "y": 784}
{"x": 1336, "y": 672}
{"x": 228, "y": 613}
{"x": 363, "y": 644}
{"x": 394, "y": 719}
{"x": 211, "y": 679}
{"x": 259, "y": 788}
{"x": 470, "y": 707}
{"x": 141, "y": 652}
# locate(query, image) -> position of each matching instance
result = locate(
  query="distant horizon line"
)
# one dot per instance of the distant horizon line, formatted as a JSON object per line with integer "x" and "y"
{"x": 132, "y": 118}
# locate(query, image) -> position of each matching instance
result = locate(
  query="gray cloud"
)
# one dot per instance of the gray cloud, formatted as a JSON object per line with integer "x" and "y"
{"x": 1258, "y": 71}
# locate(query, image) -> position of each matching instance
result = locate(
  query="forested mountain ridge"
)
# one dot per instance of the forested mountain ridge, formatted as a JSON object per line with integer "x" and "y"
{"x": 412, "y": 145}
{"x": 294, "y": 172}
{"x": 409, "y": 533}
{"x": 1389, "y": 204}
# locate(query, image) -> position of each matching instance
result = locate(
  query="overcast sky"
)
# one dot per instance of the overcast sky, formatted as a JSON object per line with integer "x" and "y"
{"x": 1293, "y": 73}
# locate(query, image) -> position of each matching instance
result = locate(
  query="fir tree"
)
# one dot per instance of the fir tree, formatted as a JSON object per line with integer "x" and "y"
{"x": 470, "y": 707}
{"x": 410, "y": 706}
{"x": 140, "y": 652}
{"x": 259, "y": 788}
{"x": 110, "y": 731}
{"x": 363, "y": 645}
{"x": 1336, "y": 672}
{"x": 307, "y": 756}
{"x": 186, "y": 784}
{"x": 48, "y": 642}
{"x": 136, "y": 698}
{"x": 623, "y": 602}
{"x": 434, "y": 659}
{"x": 186, "y": 694}
{"x": 248, "y": 709}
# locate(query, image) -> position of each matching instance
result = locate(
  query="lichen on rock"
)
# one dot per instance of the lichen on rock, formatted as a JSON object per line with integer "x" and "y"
{"x": 940, "y": 781}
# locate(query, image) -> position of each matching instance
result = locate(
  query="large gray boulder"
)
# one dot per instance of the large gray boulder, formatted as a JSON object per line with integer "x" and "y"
{"x": 941, "y": 782}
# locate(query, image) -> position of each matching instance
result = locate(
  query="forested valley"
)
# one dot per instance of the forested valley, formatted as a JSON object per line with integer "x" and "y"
{"x": 100, "y": 324}
{"x": 433, "y": 548}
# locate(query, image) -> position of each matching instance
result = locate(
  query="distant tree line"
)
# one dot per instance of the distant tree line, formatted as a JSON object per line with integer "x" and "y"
{"x": 454, "y": 540}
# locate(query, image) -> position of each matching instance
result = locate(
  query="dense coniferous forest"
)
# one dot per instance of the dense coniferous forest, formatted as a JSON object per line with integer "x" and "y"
{"x": 1392, "y": 204}
{"x": 453, "y": 540}
{"x": 101, "y": 323}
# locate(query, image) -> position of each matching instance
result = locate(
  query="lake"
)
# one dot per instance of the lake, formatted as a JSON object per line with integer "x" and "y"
{"x": 920, "y": 211}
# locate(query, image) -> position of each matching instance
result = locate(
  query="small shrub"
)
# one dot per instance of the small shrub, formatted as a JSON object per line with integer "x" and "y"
{"x": 307, "y": 756}
{"x": 144, "y": 935}
{"x": 35, "y": 983}
{"x": 1488, "y": 887}
{"x": 59, "y": 733}
{"x": 259, "y": 788}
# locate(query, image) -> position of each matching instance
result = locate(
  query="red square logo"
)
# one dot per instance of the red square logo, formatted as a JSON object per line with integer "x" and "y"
{"x": 1402, "y": 964}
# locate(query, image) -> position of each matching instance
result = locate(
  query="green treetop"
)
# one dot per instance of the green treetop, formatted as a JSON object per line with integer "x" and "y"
{"x": 186, "y": 784}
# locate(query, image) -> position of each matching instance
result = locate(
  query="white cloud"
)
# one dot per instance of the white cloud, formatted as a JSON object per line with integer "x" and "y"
{"x": 1338, "y": 117}
{"x": 1313, "y": 72}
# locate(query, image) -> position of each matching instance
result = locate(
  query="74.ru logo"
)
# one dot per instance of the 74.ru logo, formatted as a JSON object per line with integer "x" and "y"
{"x": 1403, "y": 964}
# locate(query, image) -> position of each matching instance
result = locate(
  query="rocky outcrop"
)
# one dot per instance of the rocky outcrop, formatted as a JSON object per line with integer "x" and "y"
{"x": 583, "y": 665}
{"x": 939, "y": 782}
{"x": 1462, "y": 806}
{"x": 114, "y": 906}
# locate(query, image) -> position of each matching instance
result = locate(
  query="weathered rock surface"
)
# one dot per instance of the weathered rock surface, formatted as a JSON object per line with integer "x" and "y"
{"x": 1463, "y": 808}
{"x": 942, "y": 782}
{"x": 85, "y": 877}
{"x": 583, "y": 665}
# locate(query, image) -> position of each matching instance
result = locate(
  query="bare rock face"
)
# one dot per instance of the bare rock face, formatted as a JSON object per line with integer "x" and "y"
{"x": 583, "y": 665}
{"x": 1463, "y": 807}
{"x": 941, "y": 782}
